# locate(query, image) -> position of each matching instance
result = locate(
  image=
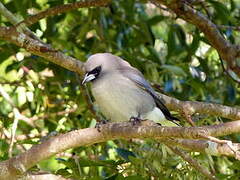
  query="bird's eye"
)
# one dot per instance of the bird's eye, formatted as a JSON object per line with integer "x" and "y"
{"x": 96, "y": 71}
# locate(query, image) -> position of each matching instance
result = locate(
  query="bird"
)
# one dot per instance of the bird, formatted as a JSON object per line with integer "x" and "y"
{"x": 122, "y": 93}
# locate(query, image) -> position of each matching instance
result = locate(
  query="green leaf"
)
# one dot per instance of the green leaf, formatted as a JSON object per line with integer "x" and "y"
{"x": 155, "y": 19}
{"x": 125, "y": 153}
{"x": 174, "y": 69}
{"x": 222, "y": 11}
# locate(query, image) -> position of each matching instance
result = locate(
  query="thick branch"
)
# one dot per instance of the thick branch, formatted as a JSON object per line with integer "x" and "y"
{"x": 226, "y": 50}
{"x": 21, "y": 163}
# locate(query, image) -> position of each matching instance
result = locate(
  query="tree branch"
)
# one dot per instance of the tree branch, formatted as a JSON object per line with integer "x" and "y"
{"x": 204, "y": 146}
{"x": 84, "y": 137}
{"x": 226, "y": 50}
{"x": 63, "y": 8}
{"x": 41, "y": 49}
{"x": 201, "y": 107}
{"x": 7, "y": 14}
{"x": 193, "y": 163}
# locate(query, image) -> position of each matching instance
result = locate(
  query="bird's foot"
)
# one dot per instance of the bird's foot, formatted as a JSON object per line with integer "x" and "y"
{"x": 135, "y": 120}
{"x": 99, "y": 124}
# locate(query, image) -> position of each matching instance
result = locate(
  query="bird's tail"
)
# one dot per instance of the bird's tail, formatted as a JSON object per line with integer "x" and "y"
{"x": 159, "y": 117}
{"x": 171, "y": 119}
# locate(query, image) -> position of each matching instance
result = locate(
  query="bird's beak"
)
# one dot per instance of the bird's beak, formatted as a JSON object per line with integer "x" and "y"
{"x": 87, "y": 78}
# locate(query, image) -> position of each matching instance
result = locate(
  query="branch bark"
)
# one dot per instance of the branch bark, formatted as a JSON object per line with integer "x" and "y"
{"x": 193, "y": 107}
{"x": 18, "y": 165}
{"x": 204, "y": 146}
{"x": 228, "y": 52}
{"x": 41, "y": 49}
{"x": 63, "y": 8}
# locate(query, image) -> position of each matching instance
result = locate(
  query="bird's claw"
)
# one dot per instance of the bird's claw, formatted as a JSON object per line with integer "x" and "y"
{"x": 135, "y": 120}
{"x": 99, "y": 124}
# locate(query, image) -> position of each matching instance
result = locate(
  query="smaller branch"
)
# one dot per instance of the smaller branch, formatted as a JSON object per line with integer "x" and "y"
{"x": 193, "y": 162}
{"x": 235, "y": 28}
{"x": 228, "y": 73}
{"x": 16, "y": 111}
{"x": 7, "y": 14}
{"x": 12, "y": 83}
{"x": 227, "y": 143}
{"x": 6, "y": 96}
{"x": 188, "y": 117}
{"x": 12, "y": 18}
{"x": 159, "y": 6}
{"x": 17, "y": 116}
{"x": 63, "y": 8}
{"x": 201, "y": 107}
{"x": 204, "y": 146}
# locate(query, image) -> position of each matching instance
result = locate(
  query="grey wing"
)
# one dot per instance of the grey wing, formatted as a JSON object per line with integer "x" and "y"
{"x": 137, "y": 77}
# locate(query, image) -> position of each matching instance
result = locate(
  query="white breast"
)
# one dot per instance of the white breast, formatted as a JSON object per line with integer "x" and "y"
{"x": 119, "y": 98}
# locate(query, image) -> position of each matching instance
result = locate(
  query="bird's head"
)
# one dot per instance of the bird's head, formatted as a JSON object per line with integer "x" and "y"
{"x": 101, "y": 63}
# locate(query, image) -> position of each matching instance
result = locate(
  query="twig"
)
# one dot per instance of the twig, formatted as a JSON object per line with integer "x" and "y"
{"x": 236, "y": 28}
{"x": 227, "y": 72}
{"x": 6, "y": 13}
{"x": 188, "y": 117}
{"x": 17, "y": 116}
{"x": 6, "y": 96}
{"x": 63, "y": 8}
{"x": 227, "y": 142}
{"x": 193, "y": 162}
{"x": 204, "y": 146}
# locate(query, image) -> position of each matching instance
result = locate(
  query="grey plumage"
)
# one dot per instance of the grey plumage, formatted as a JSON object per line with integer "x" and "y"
{"x": 121, "y": 91}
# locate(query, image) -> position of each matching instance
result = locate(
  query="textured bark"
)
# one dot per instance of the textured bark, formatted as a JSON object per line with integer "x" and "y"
{"x": 18, "y": 165}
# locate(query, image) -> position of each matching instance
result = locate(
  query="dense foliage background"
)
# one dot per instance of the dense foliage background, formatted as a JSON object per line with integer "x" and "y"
{"x": 169, "y": 52}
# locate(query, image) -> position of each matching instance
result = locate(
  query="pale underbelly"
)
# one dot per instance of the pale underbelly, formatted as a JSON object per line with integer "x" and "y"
{"x": 120, "y": 103}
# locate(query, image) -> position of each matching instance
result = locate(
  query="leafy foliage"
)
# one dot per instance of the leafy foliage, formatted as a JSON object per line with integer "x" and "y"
{"x": 169, "y": 52}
